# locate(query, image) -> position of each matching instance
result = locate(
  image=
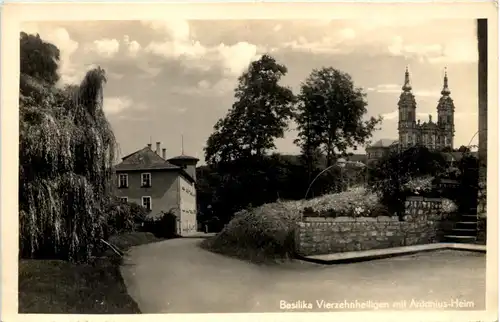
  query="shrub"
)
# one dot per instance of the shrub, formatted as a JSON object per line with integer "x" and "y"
{"x": 123, "y": 216}
{"x": 267, "y": 232}
{"x": 163, "y": 226}
{"x": 419, "y": 185}
{"x": 404, "y": 173}
{"x": 355, "y": 202}
{"x": 259, "y": 234}
{"x": 449, "y": 206}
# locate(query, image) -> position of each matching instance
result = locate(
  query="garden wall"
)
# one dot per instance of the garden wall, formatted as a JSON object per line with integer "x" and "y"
{"x": 422, "y": 224}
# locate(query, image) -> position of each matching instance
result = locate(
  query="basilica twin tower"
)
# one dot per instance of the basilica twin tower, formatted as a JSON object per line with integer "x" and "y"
{"x": 434, "y": 136}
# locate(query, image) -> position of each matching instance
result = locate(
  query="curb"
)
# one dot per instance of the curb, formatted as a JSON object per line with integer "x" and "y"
{"x": 362, "y": 256}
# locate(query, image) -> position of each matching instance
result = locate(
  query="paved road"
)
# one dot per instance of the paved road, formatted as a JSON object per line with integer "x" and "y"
{"x": 176, "y": 276}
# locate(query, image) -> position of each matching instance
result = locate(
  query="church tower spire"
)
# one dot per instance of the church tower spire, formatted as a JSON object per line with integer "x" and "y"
{"x": 446, "y": 116}
{"x": 407, "y": 86}
{"x": 446, "y": 91}
{"x": 407, "y": 126}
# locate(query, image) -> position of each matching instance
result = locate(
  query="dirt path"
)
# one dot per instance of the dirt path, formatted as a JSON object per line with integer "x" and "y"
{"x": 176, "y": 276}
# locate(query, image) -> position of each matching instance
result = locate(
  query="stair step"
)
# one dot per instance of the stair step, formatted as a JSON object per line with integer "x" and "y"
{"x": 467, "y": 222}
{"x": 460, "y": 237}
{"x": 463, "y": 229}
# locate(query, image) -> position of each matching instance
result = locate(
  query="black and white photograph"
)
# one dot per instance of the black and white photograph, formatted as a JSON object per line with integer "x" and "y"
{"x": 245, "y": 165}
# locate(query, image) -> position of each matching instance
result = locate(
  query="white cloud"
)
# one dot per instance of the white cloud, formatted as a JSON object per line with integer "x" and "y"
{"x": 386, "y": 88}
{"x": 427, "y": 93}
{"x": 109, "y": 48}
{"x": 181, "y": 110}
{"x": 347, "y": 33}
{"x": 60, "y": 37}
{"x": 424, "y": 116}
{"x": 458, "y": 51}
{"x": 104, "y": 47}
{"x": 236, "y": 58}
{"x": 112, "y": 75}
{"x": 179, "y": 45}
{"x": 174, "y": 49}
{"x": 326, "y": 45}
{"x": 397, "y": 89}
{"x": 435, "y": 41}
{"x": 149, "y": 72}
{"x": 115, "y": 105}
{"x": 233, "y": 59}
{"x": 390, "y": 116}
{"x": 203, "y": 84}
{"x": 206, "y": 88}
{"x": 133, "y": 47}
{"x": 335, "y": 42}
{"x": 178, "y": 30}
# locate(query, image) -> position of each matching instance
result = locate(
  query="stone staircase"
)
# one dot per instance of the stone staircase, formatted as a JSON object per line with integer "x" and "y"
{"x": 464, "y": 230}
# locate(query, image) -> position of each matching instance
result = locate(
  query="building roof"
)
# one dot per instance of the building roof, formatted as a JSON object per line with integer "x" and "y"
{"x": 356, "y": 157}
{"x": 429, "y": 125}
{"x": 383, "y": 143}
{"x": 184, "y": 157}
{"x": 147, "y": 159}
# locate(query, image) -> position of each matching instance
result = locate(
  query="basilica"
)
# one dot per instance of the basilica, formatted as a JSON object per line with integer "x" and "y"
{"x": 433, "y": 135}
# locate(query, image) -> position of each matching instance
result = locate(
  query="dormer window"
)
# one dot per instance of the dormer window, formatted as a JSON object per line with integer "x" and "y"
{"x": 146, "y": 180}
{"x": 123, "y": 180}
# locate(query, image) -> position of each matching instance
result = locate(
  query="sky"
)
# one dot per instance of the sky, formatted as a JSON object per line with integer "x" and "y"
{"x": 169, "y": 80}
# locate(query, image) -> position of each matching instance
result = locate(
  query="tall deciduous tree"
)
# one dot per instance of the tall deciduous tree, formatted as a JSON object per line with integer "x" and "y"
{"x": 331, "y": 114}
{"x": 39, "y": 59}
{"x": 259, "y": 115}
{"x": 66, "y": 153}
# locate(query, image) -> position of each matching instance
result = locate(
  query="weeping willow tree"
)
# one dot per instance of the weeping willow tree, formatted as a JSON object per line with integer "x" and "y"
{"x": 66, "y": 152}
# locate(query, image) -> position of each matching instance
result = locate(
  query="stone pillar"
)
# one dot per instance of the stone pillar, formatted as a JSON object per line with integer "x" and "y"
{"x": 482, "y": 37}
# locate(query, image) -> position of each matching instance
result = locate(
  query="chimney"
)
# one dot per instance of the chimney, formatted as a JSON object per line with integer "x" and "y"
{"x": 430, "y": 118}
{"x": 158, "y": 148}
{"x": 149, "y": 145}
{"x": 164, "y": 153}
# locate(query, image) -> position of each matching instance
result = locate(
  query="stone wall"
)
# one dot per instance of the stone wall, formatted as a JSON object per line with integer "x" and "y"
{"x": 422, "y": 224}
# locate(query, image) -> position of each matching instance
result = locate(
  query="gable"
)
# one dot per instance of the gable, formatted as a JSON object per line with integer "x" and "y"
{"x": 144, "y": 159}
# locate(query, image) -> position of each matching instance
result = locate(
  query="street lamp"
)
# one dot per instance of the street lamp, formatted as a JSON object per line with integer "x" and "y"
{"x": 340, "y": 163}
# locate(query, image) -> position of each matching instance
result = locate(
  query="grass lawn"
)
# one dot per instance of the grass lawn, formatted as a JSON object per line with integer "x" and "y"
{"x": 53, "y": 286}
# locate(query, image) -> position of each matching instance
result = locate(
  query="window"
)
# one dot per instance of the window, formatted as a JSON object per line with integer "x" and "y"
{"x": 146, "y": 203}
{"x": 146, "y": 180}
{"x": 123, "y": 180}
{"x": 124, "y": 199}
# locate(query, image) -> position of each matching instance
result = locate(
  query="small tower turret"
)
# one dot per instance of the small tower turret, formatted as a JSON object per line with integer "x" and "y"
{"x": 185, "y": 162}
